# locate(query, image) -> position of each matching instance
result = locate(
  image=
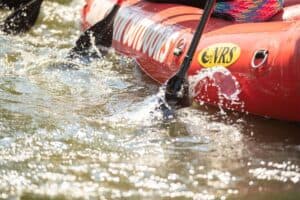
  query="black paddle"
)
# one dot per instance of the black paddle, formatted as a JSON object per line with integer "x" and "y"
{"x": 176, "y": 93}
{"x": 23, "y": 18}
{"x": 101, "y": 32}
{"x": 12, "y": 4}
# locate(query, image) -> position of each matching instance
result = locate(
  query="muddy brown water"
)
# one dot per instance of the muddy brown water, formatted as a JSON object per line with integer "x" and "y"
{"x": 92, "y": 133}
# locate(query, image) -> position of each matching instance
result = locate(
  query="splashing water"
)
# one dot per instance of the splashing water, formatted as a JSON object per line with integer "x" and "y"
{"x": 93, "y": 132}
{"x": 228, "y": 87}
{"x": 144, "y": 113}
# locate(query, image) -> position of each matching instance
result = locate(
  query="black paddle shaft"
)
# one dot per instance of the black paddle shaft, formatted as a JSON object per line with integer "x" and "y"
{"x": 195, "y": 41}
{"x": 177, "y": 86}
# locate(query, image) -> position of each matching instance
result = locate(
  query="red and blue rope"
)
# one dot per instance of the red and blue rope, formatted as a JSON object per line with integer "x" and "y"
{"x": 249, "y": 10}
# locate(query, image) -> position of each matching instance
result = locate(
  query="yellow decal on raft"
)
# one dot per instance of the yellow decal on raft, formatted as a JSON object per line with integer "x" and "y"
{"x": 220, "y": 54}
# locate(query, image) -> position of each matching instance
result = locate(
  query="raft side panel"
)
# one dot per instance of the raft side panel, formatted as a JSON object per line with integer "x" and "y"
{"x": 150, "y": 33}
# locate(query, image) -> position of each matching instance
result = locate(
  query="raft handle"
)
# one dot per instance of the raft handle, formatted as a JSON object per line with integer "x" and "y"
{"x": 259, "y": 55}
{"x": 177, "y": 51}
{"x": 180, "y": 46}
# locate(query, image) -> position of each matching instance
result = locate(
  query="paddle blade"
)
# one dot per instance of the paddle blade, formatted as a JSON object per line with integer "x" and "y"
{"x": 101, "y": 33}
{"x": 22, "y": 19}
{"x": 177, "y": 92}
{"x": 13, "y": 4}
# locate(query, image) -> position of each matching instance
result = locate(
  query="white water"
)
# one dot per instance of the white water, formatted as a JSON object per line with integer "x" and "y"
{"x": 228, "y": 88}
{"x": 93, "y": 133}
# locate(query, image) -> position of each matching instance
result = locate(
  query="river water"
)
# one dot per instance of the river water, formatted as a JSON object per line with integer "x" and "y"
{"x": 91, "y": 132}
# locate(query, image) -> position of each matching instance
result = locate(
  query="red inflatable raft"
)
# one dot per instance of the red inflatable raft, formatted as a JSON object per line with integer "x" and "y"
{"x": 249, "y": 67}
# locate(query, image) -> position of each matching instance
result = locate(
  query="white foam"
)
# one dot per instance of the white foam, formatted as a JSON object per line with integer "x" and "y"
{"x": 227, "y": 85}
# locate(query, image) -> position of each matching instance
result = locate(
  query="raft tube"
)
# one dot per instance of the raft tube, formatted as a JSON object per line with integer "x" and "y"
{"x": 246, "y": 67}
